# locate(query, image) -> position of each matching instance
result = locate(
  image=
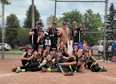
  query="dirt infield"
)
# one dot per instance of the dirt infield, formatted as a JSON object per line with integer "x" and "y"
{"x": 88, "y": 77}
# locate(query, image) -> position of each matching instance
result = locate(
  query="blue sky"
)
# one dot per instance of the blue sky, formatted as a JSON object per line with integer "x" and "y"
{"x": 46, "y": 8}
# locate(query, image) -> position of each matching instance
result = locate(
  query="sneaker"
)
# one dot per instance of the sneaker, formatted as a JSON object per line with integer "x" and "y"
{"x": 104, "y": 70}
{"x": 14, "y": 69}
{"x": 44, "y": 69}
{"x": 70, "y": 73}
{"x": 66, "y": 74}
{"x": 18, "y": 70}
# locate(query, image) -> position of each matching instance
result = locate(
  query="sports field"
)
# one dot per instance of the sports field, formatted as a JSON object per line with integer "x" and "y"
{"x": 88, "y": 77}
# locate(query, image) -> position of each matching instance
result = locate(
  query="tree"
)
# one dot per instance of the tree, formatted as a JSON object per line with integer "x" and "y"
{"x": 50, "y": 21}
{"x": 110, "y": 17}
{"x": 28, "y": 20}
{"x": 6, "y": 2}
{"x": 12, "y": 26}
{"x": 111, "y": 23}
{"x": 22, "y": 37}
{"x": 69, "y": 17}
{"x": 92, "y": 23}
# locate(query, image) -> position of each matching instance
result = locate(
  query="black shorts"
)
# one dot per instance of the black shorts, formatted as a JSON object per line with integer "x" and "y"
{"x": 66, "y": 45}
{"x": 35, "y": 47}
{"x": 53, "y": 46}
{"x": 82, "y": 59}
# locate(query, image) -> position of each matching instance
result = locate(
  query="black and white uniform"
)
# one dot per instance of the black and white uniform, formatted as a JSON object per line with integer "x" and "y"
{"x": 47, "y": 40}
{"x": 24, "y": 62}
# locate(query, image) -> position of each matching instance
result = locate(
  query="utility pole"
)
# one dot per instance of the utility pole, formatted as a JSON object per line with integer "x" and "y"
{"x": 33, "y": 15}
{"x": 55, "y": 11}
{"x": 105, "y": 22}
{"x": 3, "y": 29}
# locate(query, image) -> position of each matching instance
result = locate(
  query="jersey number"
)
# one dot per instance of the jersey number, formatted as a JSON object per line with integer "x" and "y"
{"x": 47, "y": 42}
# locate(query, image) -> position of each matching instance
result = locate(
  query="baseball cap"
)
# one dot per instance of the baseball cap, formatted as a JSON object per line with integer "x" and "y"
{"x": 75, "y": 43}
{"x": 53, "y": 48}
{"x": 38, "y": 23}
{"x": 54, "y": 23}
{"x": 74, "y": 22}
{"x": 48, "y": 45}
{"x": 29, "y": 47}
{"x": 64, "y": 23}
{"x": 40, "y": 46}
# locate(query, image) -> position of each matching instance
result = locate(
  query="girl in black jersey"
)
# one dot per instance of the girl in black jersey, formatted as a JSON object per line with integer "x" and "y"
{"x": 92, "y": 64}
{"x": 46, "y": 63}
{"x": 46, "y": 51}
{"x": 38, "y": 54}
{"x": 46, "y": 40}
{"x": 78, "y": 59}
{"x": 27, "y": 56}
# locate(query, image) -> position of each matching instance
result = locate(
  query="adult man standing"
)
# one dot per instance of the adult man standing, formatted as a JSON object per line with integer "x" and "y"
{"x": 114, "y": 51}
{"x": 76, "y": 31}
{"x": 53, "y": 35}
{"x": 64, "y": 34}
{"x": 36, "y": 33}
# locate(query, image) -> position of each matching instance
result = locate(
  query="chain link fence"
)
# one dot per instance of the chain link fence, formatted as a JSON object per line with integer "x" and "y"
{"x": 19, "y": 37}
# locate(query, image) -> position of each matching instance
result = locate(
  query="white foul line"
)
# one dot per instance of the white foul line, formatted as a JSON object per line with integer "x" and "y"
{"x": 4, "y": 75}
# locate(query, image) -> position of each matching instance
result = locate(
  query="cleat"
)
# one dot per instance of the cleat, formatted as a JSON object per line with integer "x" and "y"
{"x": 66, "y": 74}
{"x": 18, "y": 70}
{"x": 14, "y": 69}
{"x": 44, "y": 69}
{"x": 70, "y": 73}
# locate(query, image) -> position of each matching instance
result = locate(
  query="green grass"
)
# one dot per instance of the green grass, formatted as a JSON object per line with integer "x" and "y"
{"x": 98, "y": 57}
{"x": 17, "y": 52}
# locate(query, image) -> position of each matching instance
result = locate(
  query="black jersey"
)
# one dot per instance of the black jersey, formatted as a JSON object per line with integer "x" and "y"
{"x": 76, "y": 34}
{"x": 89, "y": 61}
{"x": 74, "y": 52}
{"x": 85, "y": 50}
{"x": 33, "y": 38}
{"x": 39, "y": 55}
{"x": 27, "y": 55}
{"x": 47, "y": 40}
{"x": 53, "y": 35}
{"x": 41, "y": 42}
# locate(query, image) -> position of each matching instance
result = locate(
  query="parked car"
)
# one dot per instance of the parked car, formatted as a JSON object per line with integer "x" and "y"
{"x": 98, "y": 49}
{"x": 6, "y": 46}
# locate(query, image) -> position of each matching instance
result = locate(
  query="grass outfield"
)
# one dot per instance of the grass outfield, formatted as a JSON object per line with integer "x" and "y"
{"x": 13, "y": 52}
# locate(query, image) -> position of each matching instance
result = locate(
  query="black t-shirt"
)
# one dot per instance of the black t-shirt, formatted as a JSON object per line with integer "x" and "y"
{"x": 41, "y": 42}
{"x": 75, "y": 34}
{"x": 33, "y": 38}
{"x": 53, "y": 35}
{"x": 39, "y": 55}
